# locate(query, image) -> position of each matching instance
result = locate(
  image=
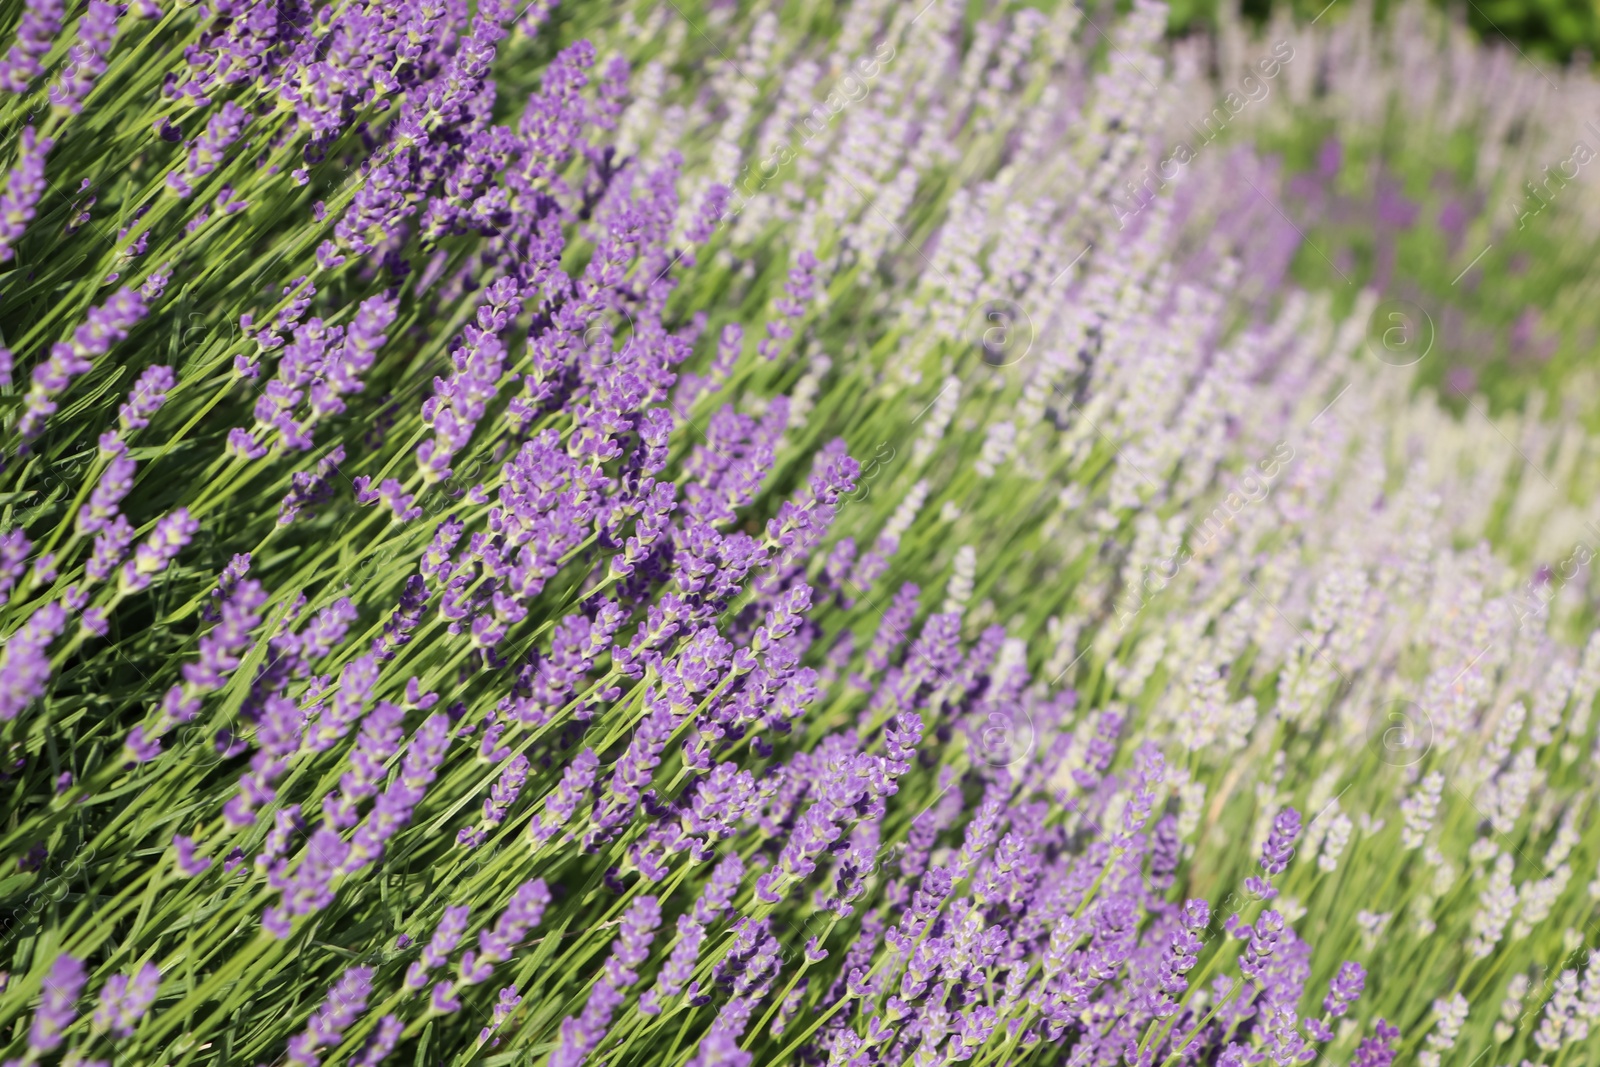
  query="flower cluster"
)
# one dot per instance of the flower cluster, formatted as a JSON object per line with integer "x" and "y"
{"x": 449, "y": 611}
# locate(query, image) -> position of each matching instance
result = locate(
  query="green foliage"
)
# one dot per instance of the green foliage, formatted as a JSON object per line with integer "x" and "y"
{"x": 1551, "y": 29}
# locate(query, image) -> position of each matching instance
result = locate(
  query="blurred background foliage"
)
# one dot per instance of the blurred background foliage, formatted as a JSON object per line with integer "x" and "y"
{"x": 1402, "y": 207}
{"x": 1556, "y": 29}
{"x": 1519, "y": 325}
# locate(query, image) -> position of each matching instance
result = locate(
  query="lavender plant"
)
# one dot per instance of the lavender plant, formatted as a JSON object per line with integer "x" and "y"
{"x": 687, "y": 536}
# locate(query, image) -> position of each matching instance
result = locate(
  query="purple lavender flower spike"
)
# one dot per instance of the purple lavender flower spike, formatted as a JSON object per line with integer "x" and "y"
{"x": 551, "y": 123}
{"x": 14, "y": 549}
{"x": 505, "y": 1002}
{"x": 287, "y": 824}
{"x": 461, "y": 400}
{"x": 1343, "y": 990}
{"x": 109, "y": 548}
{"x": 58, "y": 1004}
{"x": 1264, "y": 937}
{"x": 188, "y": 864}
{"x": 798, "y": 289}
{"x": 356, "y": 682}
{"x": 156, "y": 283}
{"x": 379, "y": 739}
{"x": 321, "y": 365}
{"x": 343, "y": 1006}
{"x": 146, "y": 397}
{"x": 310, "y": 488}
{"x": 631, "y": 949}
{"x": 1378, "y": 1050}
{"x": 235, "y": 608}
{"x": 346, "y": 366}
{"x": 720, "y": 1047}
{"x": 633, "y": 771}
{"x": 49, "y": 380}
{"x": 446, "y": 936}
{"x": 523, "y": 913}
{"x": 501, "y": 796}
{"x": 1279, "y": 849}
{"x": 86, "y": 60}
{"x": 576, "y": 781}
{"x": 308, "y": 888}
{"x": 1181, "y": 955}
{"x": 394, "y": 806}
{"x": 26, "y": 182}
{"x": 41, "y": 21}
{"x": 115, "y": 483}
{"x": 405, "y": 618}
{"x": 25, "y": 664}
{"x": 679, "y": 968}
{"x": 581, "y": 1033}
{"x": 278, "y": 734}
{"x": 105, "y": 326}
{"x": 1276, "y": 853}
{"x": 377, "y": 1047}
{"x": 442, "y": 999}
{"x": 173, "y": 531}
{"x": 206, "y": 151}
{"x": 124, "y": 1000}
{"x": 83, "y": 211}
